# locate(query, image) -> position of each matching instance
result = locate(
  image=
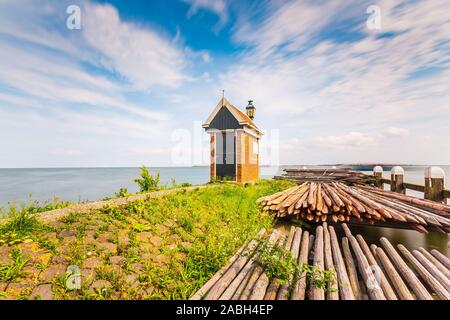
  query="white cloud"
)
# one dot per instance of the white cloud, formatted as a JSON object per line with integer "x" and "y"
{"x": 218, "y": 7}
{"x": 140, "y": 55}
{"x": 350, "y": 140}
{"x": 396, "y": 132}
{"x": 312, "y": 87}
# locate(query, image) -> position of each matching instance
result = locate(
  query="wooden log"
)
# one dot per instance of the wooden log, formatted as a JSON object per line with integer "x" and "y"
{"x": 283, "y": 196}
{"x": 283, "y": 293}
{"x": 222, "y": 284}
{"x": 384, "y": 283}
{"x": 373, "y": 289}
{"x": 241, "y": 286}
{"x": 442, "y": 259}
{"x": 274, "y": 286}
{"x": 345, "y": 289}
{"x": 351, "y": 269}
{"x": 298, "y": 293}
{"x": 210, "y": 283}
{"x": 422, "y": 216}
{"x": 333, "y": 286}
{"x": 421, "y": 202}
{"x": 366, "y": 201}
{"x": 432, "y": 269}
{"x": 397, "y": 282}
{"x": 312, "y": 189}
{"x": 293, "y": 197}
{"x": 413, "y": 282}
{"x": 424, "y": 274}
{"x": 302, "y": 199}
{"x": 317, "y": 293}
{"x": 436, "y": 262}
{"x": 257, "y": 271}
{"x": 337, "y": 200}
{"x": 326, "y": 199}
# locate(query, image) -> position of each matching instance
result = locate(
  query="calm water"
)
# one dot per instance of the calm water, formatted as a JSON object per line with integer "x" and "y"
{"x": 88, "y": 184}
{"x": 82, "y": 184}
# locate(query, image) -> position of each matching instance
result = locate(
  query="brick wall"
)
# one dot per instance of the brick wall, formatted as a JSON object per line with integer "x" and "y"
{"x": 212, "y": 166}
{"x": 247, "y": 160}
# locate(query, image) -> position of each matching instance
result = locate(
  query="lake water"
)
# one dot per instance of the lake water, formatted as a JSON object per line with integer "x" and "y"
{"x": 88, "y": 184}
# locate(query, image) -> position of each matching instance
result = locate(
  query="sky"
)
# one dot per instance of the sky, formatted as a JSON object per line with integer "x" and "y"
{"x": 134, "y": 83}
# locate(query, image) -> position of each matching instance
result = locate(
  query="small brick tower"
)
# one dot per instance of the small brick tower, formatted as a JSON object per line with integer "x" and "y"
{"x": 234, "y": 143}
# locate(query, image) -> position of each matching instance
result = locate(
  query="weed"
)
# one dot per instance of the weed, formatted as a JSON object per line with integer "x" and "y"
{"x": 147, "y": 182}
{"x": 276, "y": 261}
{"x": 19, "y": 226}
{"x": 11, "y": 271}
{"x": 123, "y": 192}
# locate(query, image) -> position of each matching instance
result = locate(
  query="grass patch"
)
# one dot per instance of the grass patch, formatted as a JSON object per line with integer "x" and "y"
{"x": 11, "y": 271}
{"x": 215, "y": 221}
{"x": 188, "y": 237}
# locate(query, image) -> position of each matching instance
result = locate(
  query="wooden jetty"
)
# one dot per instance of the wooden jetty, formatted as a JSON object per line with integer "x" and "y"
{"x": 326, "y": 175}
{"x": 361, "y": 271}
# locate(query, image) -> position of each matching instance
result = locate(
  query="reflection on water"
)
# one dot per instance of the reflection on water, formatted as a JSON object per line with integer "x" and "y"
{"x": 411, "y": 239}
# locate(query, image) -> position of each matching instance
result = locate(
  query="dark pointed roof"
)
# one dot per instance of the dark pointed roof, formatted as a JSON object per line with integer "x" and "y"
{"x": 241, "y": 117}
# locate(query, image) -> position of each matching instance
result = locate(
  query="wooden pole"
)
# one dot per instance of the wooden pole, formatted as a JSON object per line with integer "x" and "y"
{"x": 257, "y": 271}
{"x": 351, "y": 269}
{"x": 208, "y": 285}
{"x": 378, "y": 174}
{"x": 434, "y": 184}
{"x": 409, "y": 276}
{"x": 299, "y": 290}
{"x": 436, "y": 262}
{"x": 333, "y": 286}
{"x": 373, "y": 289}
{"x": 283, "y": 293}
{"x": 425, "y": 275}
{"x": 317, "y": 293}
{"x": 443, "y": 259}
{"x": 432, "y": 269}
{"x": 387, "y": 289}
{"x": 272, "y": 290}
{"x": 400, "y": 287}
{"x": 397, "y": 175}
{"x": 345, "y": 289}
{"x": 222, "y": 284}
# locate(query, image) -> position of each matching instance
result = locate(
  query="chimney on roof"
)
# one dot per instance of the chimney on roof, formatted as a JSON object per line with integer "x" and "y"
{"x": 250, "y": 109}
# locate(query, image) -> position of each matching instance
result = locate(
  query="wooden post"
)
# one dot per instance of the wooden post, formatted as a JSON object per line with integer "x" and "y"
{"x": 397, "y": 174}
{"x": 434, "y": 184}
{"x": 378, "y": 174}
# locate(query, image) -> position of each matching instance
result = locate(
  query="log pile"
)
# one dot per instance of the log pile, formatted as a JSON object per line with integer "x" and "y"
{"x": 358, "y": 270}
{"x": 338, "y": 202}
{"x": 326, "y": 175}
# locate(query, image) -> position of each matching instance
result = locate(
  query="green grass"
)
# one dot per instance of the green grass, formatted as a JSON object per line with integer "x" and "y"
{"x": 11, "y": 271}
{"x": 190, "y": 236}
{"x": 216, "y": 221}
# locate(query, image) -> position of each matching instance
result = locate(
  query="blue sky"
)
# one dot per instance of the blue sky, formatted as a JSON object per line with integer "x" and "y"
{"x": 133, "y": 85}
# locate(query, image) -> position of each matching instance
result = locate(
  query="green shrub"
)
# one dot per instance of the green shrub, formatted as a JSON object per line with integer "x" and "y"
{"x": 122, "y": 193}
{"x": 147, "y": 182}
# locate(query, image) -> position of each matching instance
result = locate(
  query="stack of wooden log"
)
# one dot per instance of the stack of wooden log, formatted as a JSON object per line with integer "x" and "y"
{"x": 358, "y": 270}
{"x": 326, "y": 175}
{"x": 338, "y": 202}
